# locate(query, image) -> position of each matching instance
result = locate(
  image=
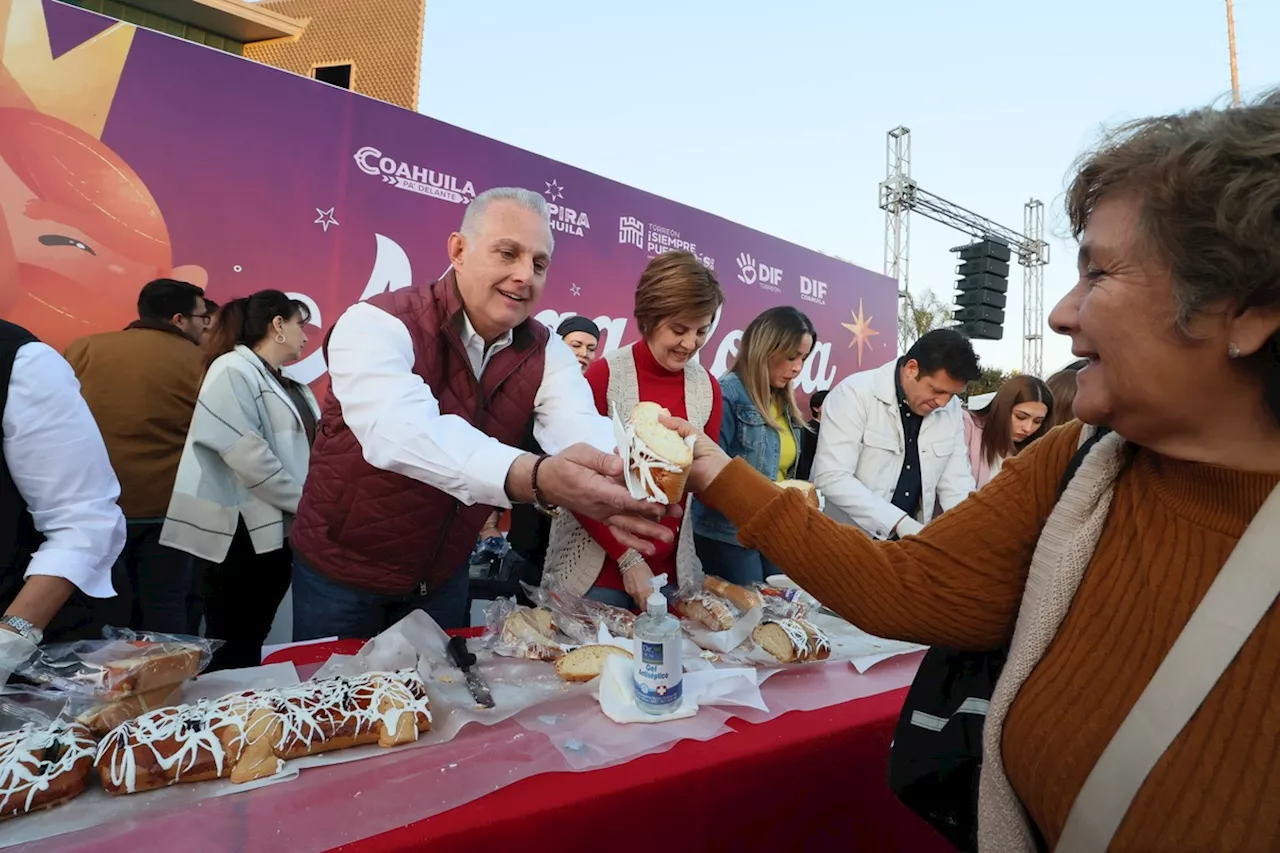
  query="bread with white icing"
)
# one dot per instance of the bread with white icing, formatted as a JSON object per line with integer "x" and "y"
{"x": 660, "y": 458}
{"x": 249, "y": 735}
{"x": 43, "y": 766}
{"x": 792, "y": 640}
{"x": 819, "y": 642}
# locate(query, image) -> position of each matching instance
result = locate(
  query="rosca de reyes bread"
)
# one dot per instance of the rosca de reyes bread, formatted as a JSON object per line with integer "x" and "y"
{"x": 42, "y": 766}
{"x": 249, "y": 735}
{"x": 792, "y": 640}
{"x": 659, "y": 459}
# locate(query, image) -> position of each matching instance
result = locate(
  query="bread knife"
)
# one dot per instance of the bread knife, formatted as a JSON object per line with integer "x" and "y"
{"x": 466, "y": 661}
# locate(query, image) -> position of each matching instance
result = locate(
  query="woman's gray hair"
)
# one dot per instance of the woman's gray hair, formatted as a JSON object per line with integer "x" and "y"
{"x": 1209, "y": 184}
{"x": 528, "y": 199}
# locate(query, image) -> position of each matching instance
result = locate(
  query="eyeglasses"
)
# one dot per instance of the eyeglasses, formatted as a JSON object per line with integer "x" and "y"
{"x": 205, "y": 318}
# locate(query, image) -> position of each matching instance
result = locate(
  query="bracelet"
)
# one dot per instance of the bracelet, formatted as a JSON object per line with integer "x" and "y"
{"x": 630, "y": 559}
{"x": 538, "y": 503}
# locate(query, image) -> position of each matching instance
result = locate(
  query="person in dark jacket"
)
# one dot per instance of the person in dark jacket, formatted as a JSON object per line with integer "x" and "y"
{"x": 141, "y": 384}
{"x": 809, "y": 438}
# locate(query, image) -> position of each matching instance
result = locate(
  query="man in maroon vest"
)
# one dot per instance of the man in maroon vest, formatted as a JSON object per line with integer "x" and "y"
{"x": 431, "y": 388}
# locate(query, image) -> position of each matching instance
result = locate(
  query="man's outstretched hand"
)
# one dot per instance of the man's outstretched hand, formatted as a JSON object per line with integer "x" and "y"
{"x": 586, "y": 481}
{"x": 709, "y": 458}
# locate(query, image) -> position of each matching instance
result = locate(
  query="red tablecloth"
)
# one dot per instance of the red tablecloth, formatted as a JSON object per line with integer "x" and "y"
{"x": 810, "y": 780}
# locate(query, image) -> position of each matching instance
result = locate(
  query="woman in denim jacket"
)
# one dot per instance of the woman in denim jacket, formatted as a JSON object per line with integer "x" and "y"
{"x": 763, "y": 425}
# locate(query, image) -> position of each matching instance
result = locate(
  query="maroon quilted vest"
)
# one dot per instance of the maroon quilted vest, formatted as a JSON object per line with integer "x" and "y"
{"x": 387, "y": 533}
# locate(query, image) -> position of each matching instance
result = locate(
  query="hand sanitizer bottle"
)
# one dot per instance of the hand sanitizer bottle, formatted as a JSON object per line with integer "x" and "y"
{"x": 658, "y": 669}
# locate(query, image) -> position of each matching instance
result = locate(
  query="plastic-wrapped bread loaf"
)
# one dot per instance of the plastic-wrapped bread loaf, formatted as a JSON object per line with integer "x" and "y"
{"x": 104, "y": 717}
{"x": 42, "y": 766}
{"x": 714, "y": 614}
{"x": 739, "y": 596}
{"x": 531, "y": 633}
{"x": 246, "y": 736}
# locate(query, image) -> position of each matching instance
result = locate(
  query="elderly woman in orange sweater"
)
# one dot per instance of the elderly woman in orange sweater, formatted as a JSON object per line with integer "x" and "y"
{"x": 1178, "y": 219}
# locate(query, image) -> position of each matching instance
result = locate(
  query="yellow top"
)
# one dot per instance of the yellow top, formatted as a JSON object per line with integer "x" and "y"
{"x": 787, "y": 458}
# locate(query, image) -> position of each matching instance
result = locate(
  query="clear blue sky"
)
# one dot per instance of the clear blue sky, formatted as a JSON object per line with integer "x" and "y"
{"x": 774, "y": 115}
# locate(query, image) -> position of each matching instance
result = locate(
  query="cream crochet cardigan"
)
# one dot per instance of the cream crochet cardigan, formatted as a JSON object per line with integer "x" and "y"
{"x": 1062, "y": 555}
{"x": 574, "y": 559}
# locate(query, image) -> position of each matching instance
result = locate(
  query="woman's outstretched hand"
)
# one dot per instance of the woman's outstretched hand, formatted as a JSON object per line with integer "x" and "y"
{"x": 708, "y": 457}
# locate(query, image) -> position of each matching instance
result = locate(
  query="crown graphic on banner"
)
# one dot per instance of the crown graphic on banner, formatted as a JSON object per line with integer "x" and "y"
{"x": 77, "y": 87}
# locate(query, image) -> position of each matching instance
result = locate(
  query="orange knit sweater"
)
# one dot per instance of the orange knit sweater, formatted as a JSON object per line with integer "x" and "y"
{"x": 1172, "y": 526}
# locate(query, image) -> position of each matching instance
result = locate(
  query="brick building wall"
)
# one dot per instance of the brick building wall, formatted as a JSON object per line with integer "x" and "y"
{"x": 380, "y": 39}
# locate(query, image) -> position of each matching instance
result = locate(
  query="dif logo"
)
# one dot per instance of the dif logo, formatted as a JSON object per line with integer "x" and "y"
{"x": 751, "y": 271}
{"x": 812, "y": 290}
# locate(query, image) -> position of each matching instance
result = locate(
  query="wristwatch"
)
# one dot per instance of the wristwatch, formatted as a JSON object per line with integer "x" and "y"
{"x": 23, "y": 628}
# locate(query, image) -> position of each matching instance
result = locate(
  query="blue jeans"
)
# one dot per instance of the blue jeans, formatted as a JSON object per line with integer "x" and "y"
{"x": 734, "y": 563}
{"x": 612, "y": 597}
{"x": 326, "y": 608}
{"x": 620, "y": 598}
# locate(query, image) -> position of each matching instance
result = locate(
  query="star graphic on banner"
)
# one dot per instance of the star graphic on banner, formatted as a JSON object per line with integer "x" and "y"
{"x": 325, "y": 219}
{"x": 861, "y": 330}
{"x": 575, "y": 290}
{"x": 554, "y": 191}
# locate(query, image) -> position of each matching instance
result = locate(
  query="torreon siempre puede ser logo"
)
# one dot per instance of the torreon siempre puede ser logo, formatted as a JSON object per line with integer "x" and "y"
{"x": 418, "y": 179}
{"x": 656, "y": 239}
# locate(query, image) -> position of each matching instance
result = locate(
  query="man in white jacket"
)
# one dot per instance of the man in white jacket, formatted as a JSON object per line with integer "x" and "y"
{"x": 892, "y": 442}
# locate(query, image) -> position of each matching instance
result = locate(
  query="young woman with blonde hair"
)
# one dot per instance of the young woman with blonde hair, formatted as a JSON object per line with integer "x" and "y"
{"x": 763, "y": 425}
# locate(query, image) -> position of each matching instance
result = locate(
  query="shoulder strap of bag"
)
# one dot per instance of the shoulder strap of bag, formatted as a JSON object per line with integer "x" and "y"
{"x": 1237, "y": 600}
{"x": 1086, "y": 444}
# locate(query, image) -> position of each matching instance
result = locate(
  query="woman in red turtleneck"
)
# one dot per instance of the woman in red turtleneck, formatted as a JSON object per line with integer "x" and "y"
{"x": 675, "y": 305}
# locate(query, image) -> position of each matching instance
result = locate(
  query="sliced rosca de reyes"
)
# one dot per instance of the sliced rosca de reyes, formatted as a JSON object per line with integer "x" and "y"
{"x": 658, "y": 459}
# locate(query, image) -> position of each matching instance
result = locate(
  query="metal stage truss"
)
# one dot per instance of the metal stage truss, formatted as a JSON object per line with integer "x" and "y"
{"x": 900, "y": 195}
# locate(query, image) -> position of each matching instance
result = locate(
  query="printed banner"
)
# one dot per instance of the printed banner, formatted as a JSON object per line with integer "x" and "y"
{"x": 127, "y": 155}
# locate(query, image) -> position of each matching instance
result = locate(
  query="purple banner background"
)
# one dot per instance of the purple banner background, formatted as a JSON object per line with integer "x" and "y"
{"x": 245, "y": 161}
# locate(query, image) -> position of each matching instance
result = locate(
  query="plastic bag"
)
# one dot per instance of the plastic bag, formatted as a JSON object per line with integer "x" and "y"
{"x": 20, "y": 705}
{"x": 783, "y": 603}
{"x": 712, "y": 621}
{"x": 515, "y": 631}
{"x": 581, "y": 618}
{"x": 121, "y": 665}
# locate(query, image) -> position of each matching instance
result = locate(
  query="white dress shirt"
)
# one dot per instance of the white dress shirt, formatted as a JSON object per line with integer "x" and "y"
{"x": 60, "y": 466}
{"x": 861, "y": 448}
{"x": 396, "y": 417}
